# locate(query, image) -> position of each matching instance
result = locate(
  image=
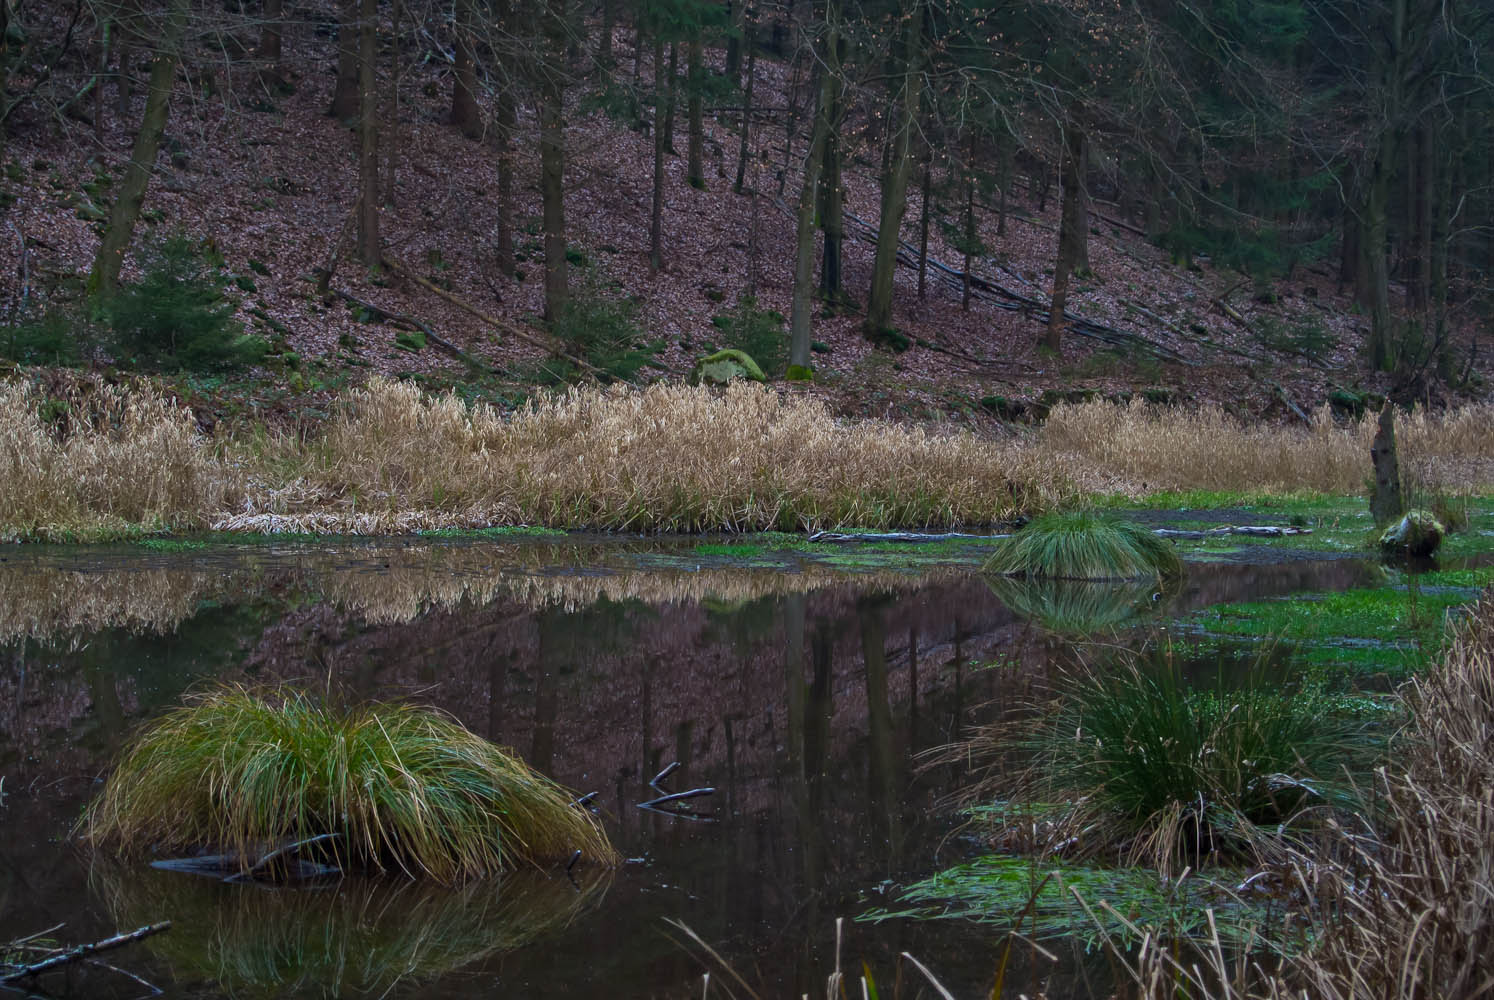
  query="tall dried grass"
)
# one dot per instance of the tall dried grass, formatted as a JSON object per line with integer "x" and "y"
{"x": 665, "y": 458}
{"x": 1143, "y": 448}
{"x": 122, "y": 461}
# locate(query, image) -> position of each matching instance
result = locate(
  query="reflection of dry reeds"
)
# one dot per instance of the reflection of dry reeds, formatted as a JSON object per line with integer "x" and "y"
{"x": 42, "y": 602}
{"x": 418, "y": 579}
{"x": 360, "y": 937}
{"x": 398, "y": 584}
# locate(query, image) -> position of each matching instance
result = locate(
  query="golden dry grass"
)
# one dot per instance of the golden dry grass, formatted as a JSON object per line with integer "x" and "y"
{"x": 124, "y": 461}
{"x": 1141, "y": 448}
{"x": 665, "y": 458}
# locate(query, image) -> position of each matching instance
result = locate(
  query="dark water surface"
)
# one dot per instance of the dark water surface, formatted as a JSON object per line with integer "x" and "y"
{"x": 803, "y": 692}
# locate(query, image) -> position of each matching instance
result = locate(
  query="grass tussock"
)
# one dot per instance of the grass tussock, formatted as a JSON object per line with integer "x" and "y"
{"x": 402, "y": 787}
{"x": 1399, "y": 901}
{"x": 105, "y": 463}
{"x": 1144, "y": 767}
{"x": 666, "y": 458}
{"x": 1085, "y": 546}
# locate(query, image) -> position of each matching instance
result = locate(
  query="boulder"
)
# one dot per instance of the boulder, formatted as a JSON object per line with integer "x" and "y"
{"x": 723, "y": 366}
{"x": 1418, "y": 534}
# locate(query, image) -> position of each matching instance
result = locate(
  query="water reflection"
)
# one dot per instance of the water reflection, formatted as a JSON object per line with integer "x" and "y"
{"x": 1079, "y": 607}
{"x": 346, "y": 938}
{"x": 801, "y": 694}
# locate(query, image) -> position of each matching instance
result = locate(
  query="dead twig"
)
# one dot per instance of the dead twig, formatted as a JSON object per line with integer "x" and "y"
{"x": 84, "y": 951}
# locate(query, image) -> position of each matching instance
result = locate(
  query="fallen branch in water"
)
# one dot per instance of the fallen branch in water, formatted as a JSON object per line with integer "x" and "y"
{"x": 83, "y": 951}
{"x": 892, "y": 536}
{"x": 1253, "y": 530}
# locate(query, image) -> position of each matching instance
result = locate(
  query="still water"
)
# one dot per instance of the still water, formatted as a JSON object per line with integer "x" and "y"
{"x": 808, "y": 694}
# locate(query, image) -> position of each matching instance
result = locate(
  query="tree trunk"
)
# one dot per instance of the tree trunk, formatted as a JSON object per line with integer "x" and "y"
{"x": 609, "y": 25}
{"x": 269, "y": 34}
{"x": 345, "y": 93}
{"x": 505, "y": 122}
{"x": 674, "y": 66}
{"x": 104, "y": 277}
{"x": 736, "y": 37}
{"x": 832, "y": 220}
{"x": 923, "y": 224}
{"x": 744, "y": 151}
{"x": 1388, "y": 503}
{"x": 391, "y": 123}
{"x": 370, "y": 251}
{"x": 895, "y": 184}
{"x": 465, "y": 114}
{"x": 1080, "y": 197}
{"x": 1071, "y": 231}
{"x": 656, "y": 210}
{"x": 1376, "y": 254}
{"x": 552, "y": 157}
{"x": 832, "y": 190}
{"x": 1425, "y": 200}
{"x": 695, "y": 82}
{"x": 970, "y": 231}
{"x": 801, "y": 303}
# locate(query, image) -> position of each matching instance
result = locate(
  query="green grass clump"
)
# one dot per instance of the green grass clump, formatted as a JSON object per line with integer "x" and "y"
{"x": 1165, "y": 771}
{"x": 1085, "y": 546}
{"x": 402, "y": 787}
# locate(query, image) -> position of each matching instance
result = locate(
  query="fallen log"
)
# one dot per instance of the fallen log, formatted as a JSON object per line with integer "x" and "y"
{"x": 83, "y": 951}
{"x": 410, "y": 321}
{"x": 1253, "y": 530}
{"x": 493, "y": 321}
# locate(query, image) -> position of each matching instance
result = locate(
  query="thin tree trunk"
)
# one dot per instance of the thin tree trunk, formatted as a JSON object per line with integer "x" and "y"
{"x": 674, "y": 66}
{"x": 103, "y": 279}
{"x": 465, "y": 114}
{"x": 895, "y": 184}
{"x": 744, "y": 152}
{"x": 552, "y": 158}
{"x": 370, "y": 251}
{"x": 832, "y": 220}
{"x": 505, "y": 120}
{"x": 801, "y": 302}
{"x": 736, "y": 37}
{"x": 923, "y": 224}
{"x": 391, "y": 124}
{"x": 832, "y": 189}
{"x": 970, "y": 230}
{"x": 656, "y": 211}
{"x": 695, "y": 82}
{"x": 609, "y": 25}
{"x": 269, "y": 34}
{"x": 345, "y": 93}
{"x": 1426, "y": 207}
{"x": 1375, "y": 251}
{"x": 1070, "y": 221}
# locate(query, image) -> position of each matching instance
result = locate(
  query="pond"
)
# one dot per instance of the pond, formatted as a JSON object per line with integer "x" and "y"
{"x": 805, "y": 689}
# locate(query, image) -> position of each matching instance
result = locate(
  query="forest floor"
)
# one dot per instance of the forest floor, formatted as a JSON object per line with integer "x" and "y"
{"x": 267, "y": 180}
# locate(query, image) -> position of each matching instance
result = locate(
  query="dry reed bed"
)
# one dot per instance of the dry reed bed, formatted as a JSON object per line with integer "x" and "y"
{"x": 127, "y": 461}
{"x": 1143, "y": 449}
{"x": 666, "y": 458}
{"x": 1402, "y": 905}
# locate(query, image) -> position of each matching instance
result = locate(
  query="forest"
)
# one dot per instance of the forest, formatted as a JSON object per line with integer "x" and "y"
{"x": 961, "y": 211}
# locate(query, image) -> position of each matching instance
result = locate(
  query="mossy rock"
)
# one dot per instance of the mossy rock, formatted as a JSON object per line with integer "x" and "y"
{"x": 1417, "y": 534}
{"x": 800, "y": 373}
{"x": 724, "y": 366}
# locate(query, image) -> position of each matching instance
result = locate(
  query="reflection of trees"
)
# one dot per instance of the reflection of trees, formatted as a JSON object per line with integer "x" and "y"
{"x": 354, "y": 938}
